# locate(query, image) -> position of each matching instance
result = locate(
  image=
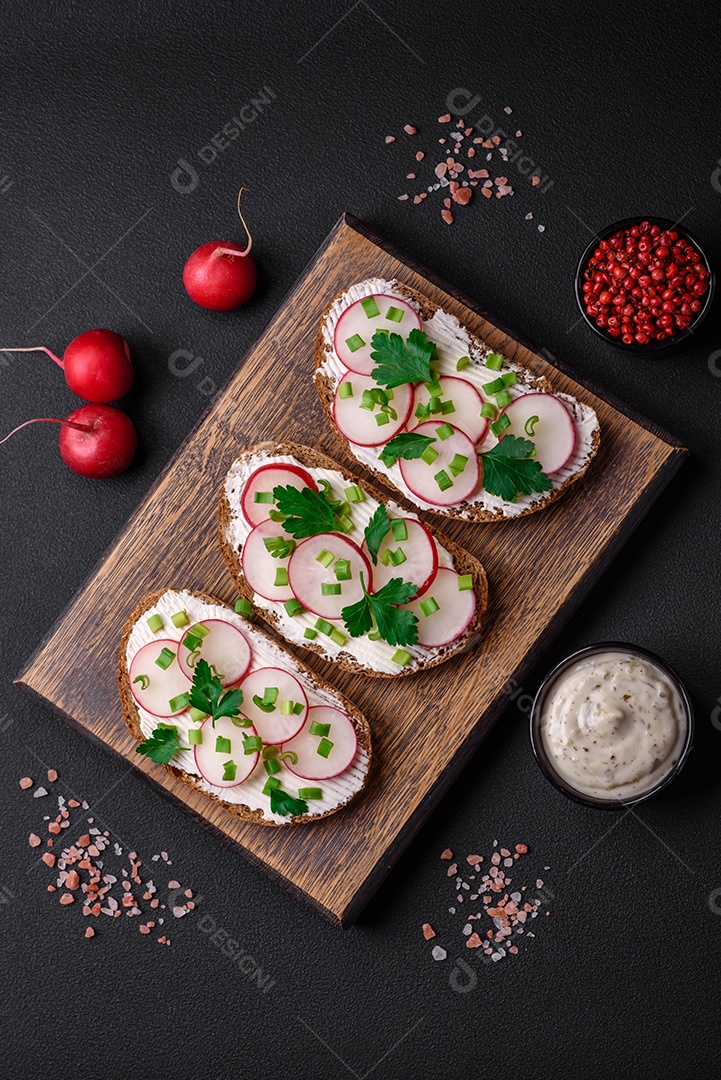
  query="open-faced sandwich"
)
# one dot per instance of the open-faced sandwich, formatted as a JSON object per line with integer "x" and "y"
{"x": 335, "y": 567}
{"x": 427, "y": 406}
{"x": 226, "y": 709}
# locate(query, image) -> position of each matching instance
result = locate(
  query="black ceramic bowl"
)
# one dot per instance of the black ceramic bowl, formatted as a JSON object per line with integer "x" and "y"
{"x": 652, "y": 346}
{"x": 547, "y": 766}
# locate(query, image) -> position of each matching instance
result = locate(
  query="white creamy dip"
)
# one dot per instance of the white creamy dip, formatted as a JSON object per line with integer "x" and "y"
{"x": 613, "y": 725}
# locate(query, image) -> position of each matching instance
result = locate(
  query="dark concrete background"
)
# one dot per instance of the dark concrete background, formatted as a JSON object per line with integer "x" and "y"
{"x": 619, "y": 109}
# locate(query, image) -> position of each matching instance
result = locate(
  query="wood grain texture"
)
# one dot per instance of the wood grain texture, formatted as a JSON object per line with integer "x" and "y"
{"x": 539, "y": 568}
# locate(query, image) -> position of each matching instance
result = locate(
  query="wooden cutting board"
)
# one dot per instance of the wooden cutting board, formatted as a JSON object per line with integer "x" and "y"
{"x": 425, "y": 727}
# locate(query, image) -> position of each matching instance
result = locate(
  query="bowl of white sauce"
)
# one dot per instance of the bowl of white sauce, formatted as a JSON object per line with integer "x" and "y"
{"x": 611, "y": 725}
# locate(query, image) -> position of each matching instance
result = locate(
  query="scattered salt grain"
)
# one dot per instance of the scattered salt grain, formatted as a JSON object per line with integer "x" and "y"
{"x": 26, "y": 783}
{"x": 39, "y": 792}
{"x": 439, "y": 953}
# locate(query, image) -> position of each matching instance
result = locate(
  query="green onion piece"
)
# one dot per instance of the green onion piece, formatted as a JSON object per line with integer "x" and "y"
{"x": 165, "y": 658}
{"x": 319, "y": 729}
{"x": 380, "y": 397}
{"x": 463, "y": 363}
{"x": 270, "y": 751}
{"x": 200, "y": 630}
{"x": 423, "y": 412}
{"x": 310, "y": 793}
{"x": 326, "y": 491}
{"x": 324, "y": 627}
{"x": 275, "y": 515}
{"x": 374, "y": 635}
{"x": 394, "y": 314}
{"x": 386, "y": 333}
{"x": 324, "y": 747}
{"x": 243, "y": 607}
{"x": 367, "y": 401}
{"x": 195, "y": 737}
{"x": 263, "y": 705}
{"x": 401, "y": 657}
{"x": 229, "y": 770}
{"x": 494, "y": 361}
{"x": 298, "y": 707}
{"x": 345, "y": 390}
{"x": 290, "y": 755}
{"x": 155, "y": 623}
{"x": 263, "y": 497}
{"x": 399, "y": 529}
{"x": 382, "y": 419}
{"x": 346, "y": 523}
{"x": 293, "y": 607}
{"x": 385, "y": 556}
{"x": 509, "y": 378}
{"x": 271, "y": 782}
{"x": 444, "y": 432}
{"x": 310, "y": 633}
{"x": 342, "y": 570}
{"x": 433, "y": 388}
{"x": 180, "y": 619}
{"x": 465, "y": 582}
{"x": 503, "y": 399}
{"x": 331, "y": 588}
{"x": 272, "y": 766}
{"x": 434, "y": 406}
{"x": 181, "y": 701}
{"x": 447, "y": 407}
{"x": 458, "y": 464}
{"x": 222, "y": 745}
{"x": 286, "y": 708}
{"x": 144, "y": 681}
{"x": 429, "y": 606}
{"x": 429, "y": 455}
{"x": 493, "y": 387}
{"x": 270, "y": 694}
{"x": 240, "y": 721}
{"x": 278, "y": 547}
{"x": 325, "y": 557}
{"x": 252, "y": 744}
{"x": 397, "y": 557}
{"x": 192, "y": 642}
{"x": 281, "y": 577}
{"x": 530, "y": 425}
{"x": 337, "y": 638}
{"x": 355, "y": 342}
{"x": 489, "y": 411}
{"x": 355, "y": 494}
{"x": 501, "y": 424}
{"x": 443, "y": 480}
{"x": 370, "y": 307}
{"x": 196, "y": 715}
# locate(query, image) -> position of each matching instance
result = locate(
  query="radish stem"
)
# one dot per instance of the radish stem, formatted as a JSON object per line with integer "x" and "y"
{"x": 228, "y": 251}
{"x": 39, "y": 348}
{"x": 49, "y": 420}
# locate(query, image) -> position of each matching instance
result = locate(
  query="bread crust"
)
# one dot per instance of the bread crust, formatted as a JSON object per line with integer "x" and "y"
{"x": 465, "y": 511}
{"x": 464, "y": 561}
{"x": 132, "y": 716}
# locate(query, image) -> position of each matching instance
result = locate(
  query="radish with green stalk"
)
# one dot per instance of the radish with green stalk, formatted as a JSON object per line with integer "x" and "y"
{"x": 221, "y": 275}
{"x": 97, "y": 441}
{"x": 96, "y": 365}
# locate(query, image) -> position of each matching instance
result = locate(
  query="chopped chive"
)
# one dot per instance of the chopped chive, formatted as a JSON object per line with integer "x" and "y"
{"x": 370, "y": 307}
{"x": 374, "y": 635}
{"x": 196, "y": 715}
{"x": 501, "y": 424}
{"x": 443, "y": 480}
{"x": 243, "y": 607}
{"x": 429, "y": 606}
{"x": 346, "y": 523}
{"x": 433, "y": 388}
{"x": 345, "y": 390}
{"x": 195, "y": 737}
{"x": 281, "y": 577}
{"x": 463, "y": 363}
{"x": 290, "y": 755}
{"x": 270, "y": 751}
{"x": 229, "y": 770}
{"x": 200, "y": 630}
{"x": 493, "y": 387}
{"x": 503, "y": 399}
{"x": 181, "y": 701}
{"x": 401, "y": 657}
{"x": 263, "y": 497}
{"x": 278, "y": 547}
{"x": 342, "y": 570}
{"x": 509, "y": 378}
{"x": 367, "y": 401}
{"x": 530, "y": 425}
{"x": 324, "y": 747}
{"x": 447, "y": 407}
{"x": 275, "y": 515}
{"x": 165, "y": 658}
{"x": 394, "y": 314}
{"x": 489, "y": 411}
{"x": 465, "y": 582}
{"x": 144, "y": 681}
{"x": 399, "y": 529}
{"x": 310, "y": 633}
{"x": 180, "y": 619}
{"x": 240, "y": 721}
{"x": 192, "y": 642}
{"x": 252, "y": 744}
{"x": 458, "y": 464}
{"x": 494, "y": 361}
{"x": 298, "y": 707}
{"x": 331, "y": 588}
{"x": 337, "y": 638}
{"x": 271, "y": 783}
{"x": 155, "y": 623}
{"x": 293, "y": 607}
{"x": 272, "y": 766}
{"x": 310, "y": 793}
{"x": 324, "y": 627}
{"x": 429, "y": 455}
{"x": 355, "y": 342}
{"x": 444, "y": 432}
{"x": 325, "y": 557}
{"x": 423, "y": 412}
{"x": 222, "y": 745}
{"x": 385, "y": 556}
{"x": 270, "y": 694}
{"x": 355, "y": 494}
{"x": 380, "y": 397}
{"x": 397, "y": 557}
{"x": 434, "y": 406}
{"x": 382, "y": 419}
{"x": 287, "y": 708}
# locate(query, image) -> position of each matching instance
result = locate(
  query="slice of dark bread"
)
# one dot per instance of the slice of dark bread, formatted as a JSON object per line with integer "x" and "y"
{"x": 132, "y": 716}
{"x": 465, "y": 511}
{"x": 465, "y": 563}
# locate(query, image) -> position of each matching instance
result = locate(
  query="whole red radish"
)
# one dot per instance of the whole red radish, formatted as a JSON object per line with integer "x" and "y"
{"x": 96, "y": 365}
{"x": 97, "y": 441}
{"x": 221, "y": 275}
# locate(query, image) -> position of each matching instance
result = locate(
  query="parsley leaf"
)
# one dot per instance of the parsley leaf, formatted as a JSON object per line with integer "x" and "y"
{"x": 509, "y": 469}
{"x": 161, "y": 746}
{"x": 408, "y": 445}
{"x": 308, "y": 512}
{"x": 378, "y": 527}
{"x": 395, "y": 626}
{"x": 282, "y": 803}
{"x": 206, "y": 694}
{"x": 401, "y": 361}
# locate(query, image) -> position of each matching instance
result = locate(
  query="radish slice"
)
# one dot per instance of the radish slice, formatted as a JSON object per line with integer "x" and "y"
{"x": 273, "y": 727}
{"x": 467, "y": 404}
{"x": 162, "y": 684}
{"x": 420, "y": 477}
{"x": 421, "y": 554}
{"x": 313, "y": 766}
{"x": 210, "y": 762}
{"x": 355, "y": 328}
{"x": 554, "y": 433}
{"x": 259, "y": 566}
{"x": 360, "y": 425}
{"x": 307, "y": 575}
{"x": 455, "y": 611}
{"x": 262, "y": 482}
{"x": 225, "y": 647}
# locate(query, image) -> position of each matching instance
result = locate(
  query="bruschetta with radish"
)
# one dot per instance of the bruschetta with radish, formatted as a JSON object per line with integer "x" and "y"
{"x": 225, "y": 708}
{"x": 427, "y": 406}
{"x": 335, "y": 567}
